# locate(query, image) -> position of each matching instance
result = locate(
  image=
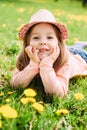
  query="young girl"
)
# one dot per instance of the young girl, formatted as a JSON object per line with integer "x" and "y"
{"x": 45, "y": 54}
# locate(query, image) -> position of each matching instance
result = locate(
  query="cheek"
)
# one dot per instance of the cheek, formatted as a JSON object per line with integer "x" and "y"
{"x": 33, "y": 43}
{"x": 54, "y": 43}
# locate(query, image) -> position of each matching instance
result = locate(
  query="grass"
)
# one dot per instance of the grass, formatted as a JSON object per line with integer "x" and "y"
{"x": 12, "y": 15}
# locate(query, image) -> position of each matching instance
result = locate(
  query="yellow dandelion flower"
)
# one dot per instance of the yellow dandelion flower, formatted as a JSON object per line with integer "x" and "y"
{"x": 30, "y": 92}
{"x": 4, "y": 25}
{"x": 10, "y": 92}
{"x": 31, "y": 100}
{"x": 39, "y": 107}
{"x": 27, "y": 100}
{"x": 18, "y": 19}
{"x": 78, "y": 96}
{"x": 8, "y": 100}
{"x": 1, "y": 94}
{"x": 21, "y": 10}
{"x": 62, "y": 111}
{"x": 8, "y": 112}
{"x": 24, "y": 100}
{"x": 0, "y": 124}
{"x": 3, "y": 5}
{"x": 75, "y": 39}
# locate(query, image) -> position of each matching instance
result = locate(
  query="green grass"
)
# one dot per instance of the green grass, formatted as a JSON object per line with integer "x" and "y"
{"x": 69, "y": 12}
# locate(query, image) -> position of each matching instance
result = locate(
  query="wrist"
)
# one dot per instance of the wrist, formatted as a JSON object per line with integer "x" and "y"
{"x": 45, "y": 66}
{"x": 46, "y": 63}
{"x": 34, "y": 65}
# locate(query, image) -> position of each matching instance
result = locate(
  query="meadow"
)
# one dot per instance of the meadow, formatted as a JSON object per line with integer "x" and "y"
{"x": 32, "y": 109}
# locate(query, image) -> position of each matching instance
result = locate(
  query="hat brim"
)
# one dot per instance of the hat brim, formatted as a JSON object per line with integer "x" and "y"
{"x": 26, "y": 27}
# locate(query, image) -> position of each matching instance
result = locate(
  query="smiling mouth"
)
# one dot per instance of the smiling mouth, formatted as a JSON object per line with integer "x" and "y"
{"x": 43, "y": 50}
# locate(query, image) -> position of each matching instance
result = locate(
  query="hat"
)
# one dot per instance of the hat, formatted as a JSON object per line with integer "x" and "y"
{"x": 39, "y": 17}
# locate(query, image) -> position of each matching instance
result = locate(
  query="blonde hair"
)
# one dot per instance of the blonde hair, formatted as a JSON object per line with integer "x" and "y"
{"x": 23, "y": 59}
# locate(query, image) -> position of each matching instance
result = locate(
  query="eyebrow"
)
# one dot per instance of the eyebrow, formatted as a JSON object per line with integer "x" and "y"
{"x": 38, "y": 33}
{"x": 34, "y": 34}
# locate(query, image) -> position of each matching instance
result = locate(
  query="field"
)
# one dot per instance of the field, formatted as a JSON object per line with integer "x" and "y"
{"x": 19, "y": 111}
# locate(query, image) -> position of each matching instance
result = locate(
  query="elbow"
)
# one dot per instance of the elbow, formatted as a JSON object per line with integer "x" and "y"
{"x": 14, "y": 84}
{"x": 60, "y": 91}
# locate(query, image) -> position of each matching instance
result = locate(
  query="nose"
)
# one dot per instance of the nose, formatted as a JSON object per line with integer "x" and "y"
{"x": 42, "y": 43}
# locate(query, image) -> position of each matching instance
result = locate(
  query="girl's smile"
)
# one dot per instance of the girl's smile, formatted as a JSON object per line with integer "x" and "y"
{"x": 43, "y": 38}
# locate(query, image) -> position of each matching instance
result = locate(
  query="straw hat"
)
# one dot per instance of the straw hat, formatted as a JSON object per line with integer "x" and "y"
{"x": 40, "y": 17}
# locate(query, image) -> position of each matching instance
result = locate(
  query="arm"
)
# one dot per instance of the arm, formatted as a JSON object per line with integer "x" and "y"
{"x": 54, "y": 83}
{"x": 24, "y": 77}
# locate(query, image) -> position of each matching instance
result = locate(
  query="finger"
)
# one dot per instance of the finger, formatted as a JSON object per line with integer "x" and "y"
{"x": 36, "y": 55}
{"x": 29, "y": 51}
{"x": 55, "y": 53}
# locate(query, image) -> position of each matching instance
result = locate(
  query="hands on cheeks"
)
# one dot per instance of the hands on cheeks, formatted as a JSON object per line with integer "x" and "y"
{"x": 49, "y": 60}
{"x": 33, "y": 55}
{"x": 34, "y": 59}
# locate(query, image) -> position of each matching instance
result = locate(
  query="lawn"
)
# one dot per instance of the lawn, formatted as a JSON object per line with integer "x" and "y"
{"x": 38, "y": 111}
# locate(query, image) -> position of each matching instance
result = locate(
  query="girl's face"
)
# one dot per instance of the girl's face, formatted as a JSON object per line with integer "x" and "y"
{"x": 43, "y": 38}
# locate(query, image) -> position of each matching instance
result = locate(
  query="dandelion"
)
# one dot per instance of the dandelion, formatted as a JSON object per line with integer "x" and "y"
{"x": 62, "y": 111}
{"x": 31, "y": 100}
{"x": 8, "y": 100}
{"x": 21, "y": 10}
{"x": 3, "y": 5}
{"x": 0, "y": 124}
{"x": 75, "y": 39}
{"x": 8, "y": 112}
{"x": 39, "y": 107}
{"x": 24, "y": 100}
{"x": 4, "y": 25}
{"x": 1, "y": 94}
{"x": 18, "y": 19}
{"x": 78, "y": 96}
{"x": 27, "y": 100}
{"x": 30, "y": 92}
{"x": 10, "y": 92}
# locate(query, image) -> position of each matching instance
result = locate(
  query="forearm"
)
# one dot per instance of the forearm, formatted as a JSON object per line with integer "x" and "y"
{"x": 52, "y": 83}
{"x": 24, "y": 77}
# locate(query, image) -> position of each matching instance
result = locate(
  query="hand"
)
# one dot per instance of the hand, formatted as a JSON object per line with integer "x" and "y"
{"x": 33, "y": 55}
{"x": 51, "y": 58}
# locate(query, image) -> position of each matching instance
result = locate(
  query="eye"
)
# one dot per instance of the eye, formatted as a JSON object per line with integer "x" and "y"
{"x": 49, "y": 37}
{"x": 36, "y": 37}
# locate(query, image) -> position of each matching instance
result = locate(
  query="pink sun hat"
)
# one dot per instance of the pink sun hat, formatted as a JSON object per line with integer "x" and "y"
{"x": 43, "y": 16}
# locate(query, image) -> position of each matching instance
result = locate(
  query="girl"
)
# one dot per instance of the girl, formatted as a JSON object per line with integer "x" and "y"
{"x": 45, "y": 54}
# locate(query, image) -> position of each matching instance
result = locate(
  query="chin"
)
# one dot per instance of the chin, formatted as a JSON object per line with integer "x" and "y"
{"x": 42, "y": 57}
